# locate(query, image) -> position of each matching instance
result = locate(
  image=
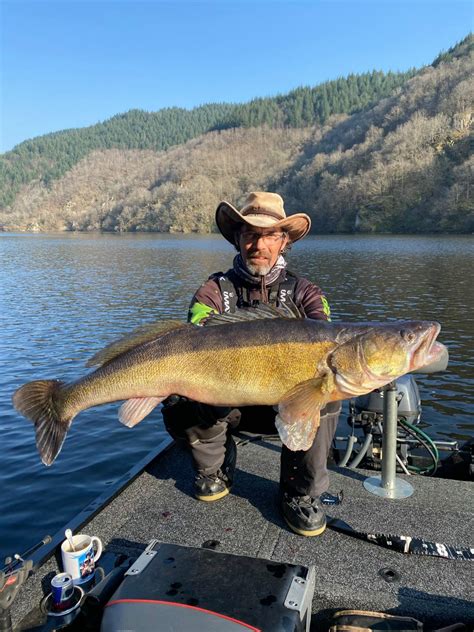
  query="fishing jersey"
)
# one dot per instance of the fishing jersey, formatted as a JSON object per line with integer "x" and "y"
{"x": 224, "y": 292}
{"x": 211, "y": 299}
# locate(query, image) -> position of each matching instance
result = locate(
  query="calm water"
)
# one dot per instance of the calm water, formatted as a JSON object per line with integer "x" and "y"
{"x": 63, "y": 297}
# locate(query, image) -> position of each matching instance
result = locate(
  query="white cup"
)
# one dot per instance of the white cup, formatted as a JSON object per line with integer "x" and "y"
{"x": 80, "y": 564}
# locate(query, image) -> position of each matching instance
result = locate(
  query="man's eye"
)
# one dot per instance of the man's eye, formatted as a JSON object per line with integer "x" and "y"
{"x": 268, "y": 237}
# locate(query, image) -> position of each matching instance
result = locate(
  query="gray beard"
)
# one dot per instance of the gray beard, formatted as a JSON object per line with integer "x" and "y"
{"x": 240, "y": 268}
{"x": 257, "y": 270}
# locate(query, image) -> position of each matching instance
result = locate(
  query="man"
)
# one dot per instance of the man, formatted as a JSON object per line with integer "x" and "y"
{"x": 261, "y": 232}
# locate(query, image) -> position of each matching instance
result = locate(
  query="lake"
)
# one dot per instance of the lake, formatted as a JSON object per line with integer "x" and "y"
{"x": 65, "y": 296}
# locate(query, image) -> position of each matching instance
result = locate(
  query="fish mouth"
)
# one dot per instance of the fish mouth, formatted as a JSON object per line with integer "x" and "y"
{"x": 428, "y": 350}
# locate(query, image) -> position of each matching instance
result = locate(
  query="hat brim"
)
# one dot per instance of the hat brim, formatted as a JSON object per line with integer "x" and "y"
{"x": 228, "y": 220}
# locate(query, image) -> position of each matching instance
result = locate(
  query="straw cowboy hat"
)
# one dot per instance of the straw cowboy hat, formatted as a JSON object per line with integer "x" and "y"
{"x": 261, "y": 210}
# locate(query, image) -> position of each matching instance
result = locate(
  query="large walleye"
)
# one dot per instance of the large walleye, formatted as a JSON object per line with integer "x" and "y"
{"x": 257, "y": 357}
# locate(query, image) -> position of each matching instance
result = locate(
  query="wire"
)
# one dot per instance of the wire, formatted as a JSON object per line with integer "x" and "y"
{"x": 426, "y": 442}
{"x": 402, "y": 465}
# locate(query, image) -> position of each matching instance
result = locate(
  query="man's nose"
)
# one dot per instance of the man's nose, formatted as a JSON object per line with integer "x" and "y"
{"x": 259, "y": 241}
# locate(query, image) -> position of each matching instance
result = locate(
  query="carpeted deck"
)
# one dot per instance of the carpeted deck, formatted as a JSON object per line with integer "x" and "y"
{"x": 159, "y": 504}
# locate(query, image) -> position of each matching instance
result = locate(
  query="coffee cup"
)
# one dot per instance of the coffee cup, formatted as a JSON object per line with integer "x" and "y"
{"x": 80, "y": 563}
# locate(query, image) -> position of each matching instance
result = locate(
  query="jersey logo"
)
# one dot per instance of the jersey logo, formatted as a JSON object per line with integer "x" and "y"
{"x": 226, "y": 300}
{"x": 284, "y": 295}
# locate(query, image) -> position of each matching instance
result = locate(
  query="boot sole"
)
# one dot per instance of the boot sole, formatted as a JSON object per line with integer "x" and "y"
{"x": 212, "y": 497}
{"x": 306, "y": 532}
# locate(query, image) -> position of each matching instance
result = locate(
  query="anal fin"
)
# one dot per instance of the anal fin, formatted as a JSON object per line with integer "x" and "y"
{"x": 134, "y": 410}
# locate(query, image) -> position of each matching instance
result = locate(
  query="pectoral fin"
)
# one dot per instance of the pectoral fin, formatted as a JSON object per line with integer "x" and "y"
{"x": 299, "y": 412}
{"x": 134, "y": 410}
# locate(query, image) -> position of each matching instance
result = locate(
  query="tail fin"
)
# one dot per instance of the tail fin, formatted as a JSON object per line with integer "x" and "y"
{"x": 36, "y": 401}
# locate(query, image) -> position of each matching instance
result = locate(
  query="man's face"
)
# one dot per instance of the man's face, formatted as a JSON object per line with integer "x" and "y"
{"x": 260, "y": 248}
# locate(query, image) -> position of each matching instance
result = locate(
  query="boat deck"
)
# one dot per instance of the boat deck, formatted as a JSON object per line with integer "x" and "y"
{"x": 159, "y": 504}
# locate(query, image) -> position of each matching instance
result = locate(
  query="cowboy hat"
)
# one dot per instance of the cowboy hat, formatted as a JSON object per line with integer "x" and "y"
{"x": 261, "y": 210}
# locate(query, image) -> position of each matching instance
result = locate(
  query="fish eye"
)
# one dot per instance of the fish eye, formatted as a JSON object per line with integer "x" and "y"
{"x": 409, "y": 336}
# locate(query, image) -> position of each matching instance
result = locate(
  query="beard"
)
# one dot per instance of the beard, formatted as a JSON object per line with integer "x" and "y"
{"x": 259, "y": 268}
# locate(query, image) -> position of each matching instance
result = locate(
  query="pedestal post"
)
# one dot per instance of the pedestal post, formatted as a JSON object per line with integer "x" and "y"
{"x": 388, "y": 485}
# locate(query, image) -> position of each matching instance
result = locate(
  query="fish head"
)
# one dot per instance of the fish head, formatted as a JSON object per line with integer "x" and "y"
{"x": 396, "y": 349}
{"x": 378, "y": 354}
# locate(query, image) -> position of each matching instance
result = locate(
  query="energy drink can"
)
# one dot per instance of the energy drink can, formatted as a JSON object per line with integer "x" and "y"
{"x": 62, "y": 590}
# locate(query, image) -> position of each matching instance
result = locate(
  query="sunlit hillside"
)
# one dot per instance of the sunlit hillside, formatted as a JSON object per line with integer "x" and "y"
{"x": 340, "y": 152}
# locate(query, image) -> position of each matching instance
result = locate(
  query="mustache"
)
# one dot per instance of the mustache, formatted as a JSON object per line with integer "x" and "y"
{"x": 258, "y": 253}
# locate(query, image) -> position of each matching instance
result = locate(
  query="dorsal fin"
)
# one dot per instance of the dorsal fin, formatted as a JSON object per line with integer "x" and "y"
{"x": 145, "y": 333}
{"x": 261, "y": 312}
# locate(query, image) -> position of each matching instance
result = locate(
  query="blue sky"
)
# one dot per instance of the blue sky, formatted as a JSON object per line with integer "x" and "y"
{"x": 73, "y": 63}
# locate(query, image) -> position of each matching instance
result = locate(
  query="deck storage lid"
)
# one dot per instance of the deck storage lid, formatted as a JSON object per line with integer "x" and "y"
{"x": 176, "y": 587}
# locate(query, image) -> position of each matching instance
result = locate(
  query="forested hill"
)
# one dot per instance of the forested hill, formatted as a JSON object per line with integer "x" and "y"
{"x": 49, "y": 157}
{"x": 371, "y": 152}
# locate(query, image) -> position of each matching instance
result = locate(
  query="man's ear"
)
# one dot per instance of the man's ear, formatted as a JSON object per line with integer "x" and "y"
{"x": 237, "y": 240}
{"x": 284, "y": 242}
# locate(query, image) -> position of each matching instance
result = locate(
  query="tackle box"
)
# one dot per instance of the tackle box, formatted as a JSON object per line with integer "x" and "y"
{"x": 171, "y": 587}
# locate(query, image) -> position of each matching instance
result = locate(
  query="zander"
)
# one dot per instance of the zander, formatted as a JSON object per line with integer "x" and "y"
{"x": 257, "y": 356}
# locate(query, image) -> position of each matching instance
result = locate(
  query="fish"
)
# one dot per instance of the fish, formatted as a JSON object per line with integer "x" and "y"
{"x": 262, "y": 356}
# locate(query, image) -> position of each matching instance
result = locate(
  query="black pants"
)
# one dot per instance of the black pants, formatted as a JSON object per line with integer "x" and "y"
{"x": 205, "y": 430}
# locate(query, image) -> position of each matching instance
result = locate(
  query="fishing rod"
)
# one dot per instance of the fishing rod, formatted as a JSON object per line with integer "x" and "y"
{"x": 13, "y": 575}
{"x": 9, "y": 561}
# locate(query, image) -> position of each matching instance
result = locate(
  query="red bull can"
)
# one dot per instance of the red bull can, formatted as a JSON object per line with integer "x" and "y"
{"x": 62, "y": 590}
